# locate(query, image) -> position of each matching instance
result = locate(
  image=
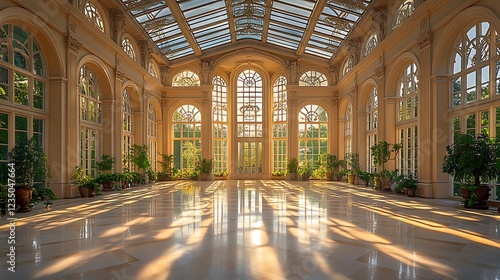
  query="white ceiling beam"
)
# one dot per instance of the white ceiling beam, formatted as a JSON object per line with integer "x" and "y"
{"x": 318, "y": 9}
{"x": 183, "y": 26}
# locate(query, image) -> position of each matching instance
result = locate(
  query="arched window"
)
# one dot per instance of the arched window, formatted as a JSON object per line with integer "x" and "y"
{"x": 249, "y": 117}
{"x": 407, "y": 131}
{"x": 90, "y": 119}
{"x": 279, "y": 124}
{"x": 153, "y": 69}
{"x": 93, "y": 15}
{"x": 187, "y": 138}
{"x": 371, "y": 44}
{"x": 404, "y": 12}
{"x": 313, "y": 79}
{"x": 152, "y": 135}
{"x": 23, "y": 87}
{"x": 348, "y": 129}
{"x": 371, "y": 127}
{"x": 475, "y": 85}
{"x": 220, "y": 125}
{"x": 313, "y": 133}
{"x": 347, "y": 65}
{"x": 128, "y": 48}
{"x": 128, "y": 126}
{"x": 186, "y": 79}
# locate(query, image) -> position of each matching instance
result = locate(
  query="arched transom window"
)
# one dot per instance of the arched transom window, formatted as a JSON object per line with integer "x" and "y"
{"x": 187, "y": 137}
{"x": 371, "y": 44}
{"x": 313, "y": 79}
{"x": 152, "y": 69}
{"x": 404, "y": 12}
{"x": 348, "y": 64}
{"x": 128, "y": 48}
{"x": 186, "y": 79}
{"x": 93, "y": 15}
{"x": 313, "y": 133}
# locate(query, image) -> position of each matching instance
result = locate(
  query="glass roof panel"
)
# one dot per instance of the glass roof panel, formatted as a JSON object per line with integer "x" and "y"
{"x": 335, "y": 23}
{"x": 207, "y": 22}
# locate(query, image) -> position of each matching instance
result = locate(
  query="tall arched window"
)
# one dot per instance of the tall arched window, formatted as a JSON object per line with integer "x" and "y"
{"x": 93, "y": 15}
{"x": 348, "y": 129}
{"x": 152, "y": 135}
{"x": 128, "y": 48}
{"x": 407, "y": 131}
{"x": 371, "y": 44}
{"x": 348, "y": 64}
{"x": 279, "y": 124}
{"x": 475, "y": 85}
{"x": 404, "y": 12}
{"x": 128, "y": 126}
{"x": 313, "y": 133}
{"x": 313, "y": 79}
{"x": 187, "y": 137}
{"x": 249, "y": 118}
{"x": 90, "y": 119}
{"x": 371, "y": 127}
{"x": 186, "y": 79}
{"x": 220, "y": 125}
{"x": 23, "y": 86}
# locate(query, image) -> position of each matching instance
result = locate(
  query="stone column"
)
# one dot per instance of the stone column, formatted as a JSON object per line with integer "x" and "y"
{"x": 293, "y": 128}
{"x": 57, "y": 137}
{"x": 72, "y": 116}
{"x": 118, "y": 120}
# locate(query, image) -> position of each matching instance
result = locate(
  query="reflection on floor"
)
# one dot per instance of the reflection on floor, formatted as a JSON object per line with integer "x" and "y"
{"x": 254, "y": 229}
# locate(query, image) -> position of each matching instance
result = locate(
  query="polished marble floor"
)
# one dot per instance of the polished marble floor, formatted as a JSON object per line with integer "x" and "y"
{"x": 253, "y": 229}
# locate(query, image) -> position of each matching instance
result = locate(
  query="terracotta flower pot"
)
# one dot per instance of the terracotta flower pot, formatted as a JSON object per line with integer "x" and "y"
{"x": 23, "y": 199}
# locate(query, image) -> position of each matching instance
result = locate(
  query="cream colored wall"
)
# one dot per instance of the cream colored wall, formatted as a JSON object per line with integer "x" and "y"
{"x": 70, "y": 41}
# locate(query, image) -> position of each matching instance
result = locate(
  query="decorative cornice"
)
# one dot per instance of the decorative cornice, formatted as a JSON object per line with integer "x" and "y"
{"x": 73, "y": 44}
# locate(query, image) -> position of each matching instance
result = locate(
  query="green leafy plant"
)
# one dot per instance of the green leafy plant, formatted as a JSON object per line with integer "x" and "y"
{"x": 106, "y": 163}
{"x": 139, "y": 156}
{"x": 472, "y": 160}
{"x": 352, "y": 161}
{"x": 205, "y": 166}
{"x": 30, "y": 163}
{"x": 292, "y": 165}
{"x": 382, "y": 152}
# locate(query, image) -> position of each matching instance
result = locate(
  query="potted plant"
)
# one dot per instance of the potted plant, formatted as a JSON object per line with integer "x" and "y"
{"x": 31, "y": 167}
{"x": 221, "y": 175}
{"x": 167, "y": 167}
{"x": 382, "y": 152}
{"x": 471, "y": 161}
{"x": 278, "y": 175}
{"x": 366, "y": 177}
{"x": 105, "y": 177}
{"x": 353, "y": 167}
{"x": 306, "y": 170}
{"x": 86, "y": 184}
{"x": 204, "y": 168}
{"x": 292, "y": 170}
{"x": 331, "y": 164}
{"x": 406, "y": 184}
{"x": 139, "y": 156}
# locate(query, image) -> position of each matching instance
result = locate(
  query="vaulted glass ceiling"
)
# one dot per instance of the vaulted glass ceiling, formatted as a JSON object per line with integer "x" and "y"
{"x": 189, "y": 27}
